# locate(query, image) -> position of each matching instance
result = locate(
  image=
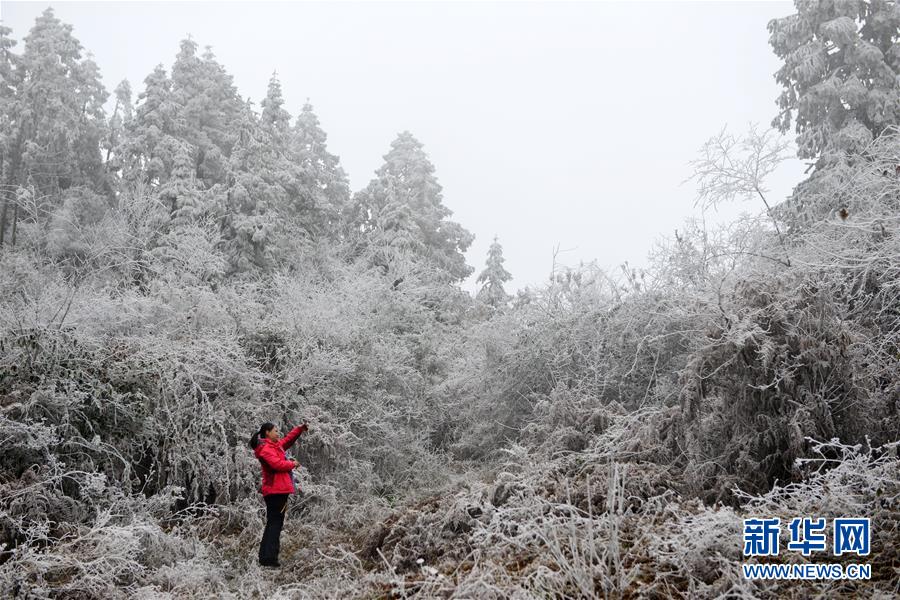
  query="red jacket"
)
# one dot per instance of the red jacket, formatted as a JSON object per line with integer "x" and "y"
{"x": 276, "y": 468}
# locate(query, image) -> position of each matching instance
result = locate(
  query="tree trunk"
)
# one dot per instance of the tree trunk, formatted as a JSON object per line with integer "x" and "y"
{"x": 12, "y": 237}
{"x": 4, "y": 191}
{"x": 3, "y": 219}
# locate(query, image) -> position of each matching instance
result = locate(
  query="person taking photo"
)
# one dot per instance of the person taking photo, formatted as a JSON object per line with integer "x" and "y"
{"x": 277, "y": 484}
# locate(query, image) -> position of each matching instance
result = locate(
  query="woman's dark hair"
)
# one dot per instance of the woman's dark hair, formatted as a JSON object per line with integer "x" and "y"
{"x": 263, "y": 430}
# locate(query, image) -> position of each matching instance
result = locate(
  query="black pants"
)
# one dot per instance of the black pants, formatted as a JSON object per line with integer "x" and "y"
{"x": 271, "y": 540}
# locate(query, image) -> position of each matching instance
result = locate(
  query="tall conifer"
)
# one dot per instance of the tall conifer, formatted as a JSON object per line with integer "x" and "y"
{"x": 407, "y": 177}
{"x": 493, "y": 277}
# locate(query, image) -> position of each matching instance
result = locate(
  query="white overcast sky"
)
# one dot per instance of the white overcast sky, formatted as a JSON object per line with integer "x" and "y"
{"x": 549, "y": 124}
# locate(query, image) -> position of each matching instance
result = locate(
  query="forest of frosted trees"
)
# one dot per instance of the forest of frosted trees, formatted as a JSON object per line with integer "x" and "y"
{"x": 188, "y": 265}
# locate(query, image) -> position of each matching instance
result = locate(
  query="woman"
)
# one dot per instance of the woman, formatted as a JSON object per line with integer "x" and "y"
{"x": 277, "y": 484}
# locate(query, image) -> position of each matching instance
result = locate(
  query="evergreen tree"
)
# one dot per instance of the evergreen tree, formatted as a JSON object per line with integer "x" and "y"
{"x": 840, "y": 73}
{"x": 208, "y": 110}
{"x": 493, "y": 277}
{"x": 198, "y": 105}
{"x": 407, "y": 177}
{"x": 275, "y": 162}
{"x": 274, "y": 118}
{"x": 251, "y": 198}
{"x": 121, "y": 117}
{"x": 395, "y": 238}
{"x": 58, "y": 114}
{"x": 91, "y": 95}
{"x": 324, "y": 188}
{"x": 181, "y": 137}
{"x": 179, "y": 194}
{"x": 841, "y": 64}
{"x": 8, "y": 84}
{"x": 148, "y": 146}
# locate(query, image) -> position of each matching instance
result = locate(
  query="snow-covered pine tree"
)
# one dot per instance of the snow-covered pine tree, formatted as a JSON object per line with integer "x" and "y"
{"x": 840, "y": 80}
{"x": 275, "y": 161}
{"x": 493, "y": 277}
{"x": 8, "y": 85}
{"x": 274, "y": 118}
{"x": 58, "y": 114}
{"x": 407, "y": 176}
{"x": 208, "y": 110}
{"x": 180, "y": 194}
{"x": 251, "y": 196}
{"x": 148, "y": 146}
{"x": 841, "y": 64}
{"x": 324, "y": 188}
{"x": 121, "y": 117}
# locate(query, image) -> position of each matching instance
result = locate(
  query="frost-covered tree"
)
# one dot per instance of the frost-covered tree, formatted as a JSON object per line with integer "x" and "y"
{"x": 736, "y": 168}
{"x": 493, "y": 277}
{"x": 841, "y": 63}
{"x": 179, "y": 194}
{"x": 8, "y": 85}
{"x": 274, "y": 118}
{"x": 147, "y": 151}
{"x": 840, "y": 80}
{"x": 275, "y": 161}
{"x": 324, "y": 188}
{"x": 121, "y": 117}
{"x": 57, "y": 116}
{"x": 251, "y": 196}
{"x": 208, "y": 110}
{"x": 407, "y": 177}
{"x": 395, "y": 238}
{"x": 198, "y": 105}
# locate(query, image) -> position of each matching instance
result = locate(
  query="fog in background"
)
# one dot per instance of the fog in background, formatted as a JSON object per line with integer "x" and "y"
{"x": 548, "y": 123}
